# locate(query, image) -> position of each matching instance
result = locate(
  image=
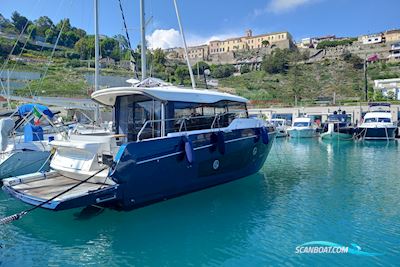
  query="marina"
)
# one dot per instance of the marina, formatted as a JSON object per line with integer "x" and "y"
{"x": 258, "y": 220}
{"x": 146, "y": 148}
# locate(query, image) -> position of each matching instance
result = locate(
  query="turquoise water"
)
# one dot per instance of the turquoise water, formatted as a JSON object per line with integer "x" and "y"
{"x": 307, "y": 191}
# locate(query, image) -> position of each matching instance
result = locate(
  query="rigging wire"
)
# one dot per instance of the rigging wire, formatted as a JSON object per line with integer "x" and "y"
{"x": 13, "y": 48}
{"x": 133, "y": 59}
{"x": 46, "y": 67}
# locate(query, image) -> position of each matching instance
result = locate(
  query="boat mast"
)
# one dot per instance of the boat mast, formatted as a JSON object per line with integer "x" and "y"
{"x": 143, "y": 37}
{"x": 184, "y": 45}
{"x": 96, "y": 54}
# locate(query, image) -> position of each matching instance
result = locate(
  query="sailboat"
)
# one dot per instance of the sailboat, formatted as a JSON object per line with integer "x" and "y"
{"x": 25, "y": 146}
{"x": 168, "y": 141}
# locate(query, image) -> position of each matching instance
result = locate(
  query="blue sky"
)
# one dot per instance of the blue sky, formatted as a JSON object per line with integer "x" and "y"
{"x": 217, "y": 19}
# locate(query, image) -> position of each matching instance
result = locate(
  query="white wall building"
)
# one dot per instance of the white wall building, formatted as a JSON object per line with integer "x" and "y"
{"x": 372, "y": 39}
{"x": 388, "y": 87}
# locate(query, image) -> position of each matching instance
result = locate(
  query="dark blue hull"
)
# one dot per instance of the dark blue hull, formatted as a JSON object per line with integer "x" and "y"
{"x": 377, "y": 133}
{"x": 156, "y": 170}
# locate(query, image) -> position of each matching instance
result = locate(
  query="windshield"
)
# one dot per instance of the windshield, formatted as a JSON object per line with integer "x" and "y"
{"x": 301, "y": 124}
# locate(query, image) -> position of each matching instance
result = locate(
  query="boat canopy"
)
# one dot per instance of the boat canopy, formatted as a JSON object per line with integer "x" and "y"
{"x": 27, "y": 108}
{"x": 165, "y": 93}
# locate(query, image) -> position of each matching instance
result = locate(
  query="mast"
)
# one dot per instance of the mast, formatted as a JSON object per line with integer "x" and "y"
{"x": 96, "y": 54}
{"x": 143, "y": 37}
{"x": 184, "y": 45}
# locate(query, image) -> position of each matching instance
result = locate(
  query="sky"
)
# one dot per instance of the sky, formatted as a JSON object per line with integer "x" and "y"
{"x": 219, "y": 19}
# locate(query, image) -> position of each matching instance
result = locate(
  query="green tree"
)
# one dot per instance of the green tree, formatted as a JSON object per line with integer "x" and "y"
{"x": 222, "y": 71}
{"x": 43, "y": 23}
{"x": 64, "y": 24}
{"x": 19, "y": 21}
{"x": 32, "y": 31}
{"x": 265, "y": 43}
{"x": 276, "y": 62}
{"x": 159, "y": 57}
{"x": 110, "y": 48}
{"x": 50, "y": 35}
{"x": 85, "y": 47}
{"x": 68, "y": 39}
{"x": 202, "y": 66}
{"x": 181, "y": 72}
{"x": 245, "y": 69}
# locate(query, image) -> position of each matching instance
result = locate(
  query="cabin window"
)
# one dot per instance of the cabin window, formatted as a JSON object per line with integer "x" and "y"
{"x": 383, "y": 119}
{"x": 188, "y": 116}
{"x": 133, "y": 111}
{"x": 301, "y": 124}
{"x": 368, "y": 120}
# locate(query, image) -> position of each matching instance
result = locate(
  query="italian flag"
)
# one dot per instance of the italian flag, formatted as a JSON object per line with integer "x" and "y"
{"x": 37, "y": 115}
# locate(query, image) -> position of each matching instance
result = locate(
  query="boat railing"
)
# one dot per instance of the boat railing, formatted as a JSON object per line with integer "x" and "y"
{"x": 183, "y": 122}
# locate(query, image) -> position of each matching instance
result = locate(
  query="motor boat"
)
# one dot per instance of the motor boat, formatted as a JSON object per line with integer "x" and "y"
{"x": 338, "y": 127}
{"x": 168, "y": 141}
{"x": 302, "y": 127}
{"x": 280, "y": 126}
{"x": 377, "y": 124}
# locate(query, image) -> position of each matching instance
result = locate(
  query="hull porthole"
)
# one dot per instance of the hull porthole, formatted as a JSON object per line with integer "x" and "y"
{"x": 216, "y": 164}
{"x": 254, "y": 151}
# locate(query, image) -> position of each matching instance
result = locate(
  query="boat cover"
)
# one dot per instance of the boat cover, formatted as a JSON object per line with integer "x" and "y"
{"x": 27, "y": 108}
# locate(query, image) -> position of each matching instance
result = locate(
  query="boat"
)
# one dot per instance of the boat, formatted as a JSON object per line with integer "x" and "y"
{"x": 168, "y": 141}
{"x": 338, "y": 127}
{"x": 377, "y": 123}
{"x": 25, "y": 140}
{"x": 280, "y": 126}
{"x": 302, "y": 127}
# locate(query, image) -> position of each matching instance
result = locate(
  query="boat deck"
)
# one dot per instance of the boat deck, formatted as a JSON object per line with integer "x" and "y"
{"x": 50, "y": 187}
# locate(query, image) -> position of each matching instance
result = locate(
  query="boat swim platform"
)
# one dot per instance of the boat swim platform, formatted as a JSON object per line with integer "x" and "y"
{"x": 47, "y": 188}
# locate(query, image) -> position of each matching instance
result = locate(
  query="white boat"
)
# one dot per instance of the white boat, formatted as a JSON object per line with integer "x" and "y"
{"x": 170, "y": 141}
{"x": 302, "y": 128}
{"x": 280, "y": 126}
{"x": 24, "y": 146}
{"x": 377, "y": 123}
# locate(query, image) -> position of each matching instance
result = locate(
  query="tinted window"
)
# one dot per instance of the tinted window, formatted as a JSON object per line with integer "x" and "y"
{"x": 383, "y": 119}
{"x": 133, "y": 112}
{"x": 368, "y": 120}
{"x": 300, "y": 124}
{"x": 198, "y": 116}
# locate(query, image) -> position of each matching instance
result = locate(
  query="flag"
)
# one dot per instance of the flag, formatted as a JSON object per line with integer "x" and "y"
{"x": 37, "y": 115}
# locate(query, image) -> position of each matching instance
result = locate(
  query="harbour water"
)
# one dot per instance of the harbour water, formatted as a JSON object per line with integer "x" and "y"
{"x": 307, "y": 191}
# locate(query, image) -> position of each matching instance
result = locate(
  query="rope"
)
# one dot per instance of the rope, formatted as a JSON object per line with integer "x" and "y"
{"x": 19, "y": 215}
{"x": 129, "y": 40}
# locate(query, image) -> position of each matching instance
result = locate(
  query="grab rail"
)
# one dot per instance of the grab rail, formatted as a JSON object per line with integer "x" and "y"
{"x": 183, "y": 122}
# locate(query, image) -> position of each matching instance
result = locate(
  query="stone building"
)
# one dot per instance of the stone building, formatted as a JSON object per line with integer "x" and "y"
{"x": 392, "y": 35}
{"x": 250, "y": 42}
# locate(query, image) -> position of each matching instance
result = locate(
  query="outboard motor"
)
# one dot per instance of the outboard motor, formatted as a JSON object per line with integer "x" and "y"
{"x": 6, "y": 126}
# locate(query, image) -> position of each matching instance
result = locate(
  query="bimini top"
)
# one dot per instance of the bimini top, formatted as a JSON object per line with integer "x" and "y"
{"x": 165, "y": 93}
